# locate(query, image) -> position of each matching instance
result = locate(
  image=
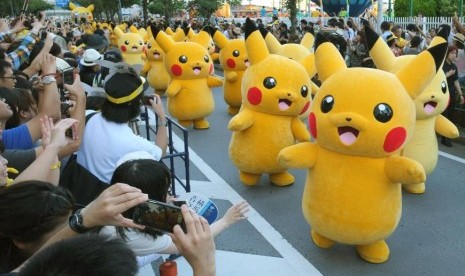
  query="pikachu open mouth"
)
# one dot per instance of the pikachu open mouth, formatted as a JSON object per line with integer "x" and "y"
{"x": 284, "y": 104}
{"x": 197, "y": 70}
{"x": 134, "y": 48}
{"x": 348, "y": 135}
{"x": 156, "y": 54}
{"x": 247, "y": 63}
{"x": 430, "y": 107}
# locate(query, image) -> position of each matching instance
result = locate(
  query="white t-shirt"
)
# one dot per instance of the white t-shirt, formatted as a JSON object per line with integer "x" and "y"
{"x": 460, "y": 62}
{"x": 104, "y": 143}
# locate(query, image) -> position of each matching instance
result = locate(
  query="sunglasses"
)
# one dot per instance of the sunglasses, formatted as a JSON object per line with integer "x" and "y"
{"x": 11, "y": 77}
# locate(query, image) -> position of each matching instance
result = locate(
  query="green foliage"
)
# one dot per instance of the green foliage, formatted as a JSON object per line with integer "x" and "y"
{"x": 166, "y": 7}
{"x": 291, "y": 5}
{"x": 15, "y": 6}
{"x": 428, "y": 7}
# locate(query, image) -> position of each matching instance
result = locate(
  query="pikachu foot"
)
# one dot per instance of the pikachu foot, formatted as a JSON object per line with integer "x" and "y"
{"x": 414, "y": 188}
{"x": 321, "y": 241}
{"x": 185, "y": 123}
{"x": 376, "y": 253}
{"x": 249, "y": 179}
{"x": 282, "y": 179}
{"x": 233, "y": 110}
{"x": 201, "y": 124}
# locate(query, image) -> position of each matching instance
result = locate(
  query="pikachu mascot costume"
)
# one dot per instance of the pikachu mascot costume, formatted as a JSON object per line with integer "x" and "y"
{"x": 190, "y": 98}
{"x": 275, "y": 90}
{"x": 154, "y": 68}
{"x": 423, "y": 147}
{"x": 203, "y": 38}
{"x": 361, "y": 118}
{"x": 131, "y": 46}
{"x": 233, "y": 58}
{"x": 78, "y": 13}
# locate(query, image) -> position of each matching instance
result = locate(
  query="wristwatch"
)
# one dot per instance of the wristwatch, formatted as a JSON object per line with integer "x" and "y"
{"x": 48, "y": 80}
{"x": 76, "y": 222}
{"x": 162, "y": 122}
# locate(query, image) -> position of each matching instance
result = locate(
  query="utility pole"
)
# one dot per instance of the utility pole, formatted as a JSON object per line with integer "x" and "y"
{"x": 411, "y": 8}
{"x": 460, "y": 8}
{"x": 120, "y": 13}
{"x": 390, "y": 9}
{"x": 380, "y": 14}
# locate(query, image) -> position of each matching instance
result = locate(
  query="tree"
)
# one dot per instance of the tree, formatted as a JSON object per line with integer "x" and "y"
{"x": 205, "y": 8}
{"x": 13, "y": 7}
{"x": 291, "y": 5}
{"x": 166, "y": 7}
{"x": 427, "y": 7}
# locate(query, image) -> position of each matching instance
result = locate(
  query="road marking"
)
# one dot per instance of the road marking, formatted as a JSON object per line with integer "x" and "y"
{"x": 301, "y": 265}
{"x": 453, "y": 157}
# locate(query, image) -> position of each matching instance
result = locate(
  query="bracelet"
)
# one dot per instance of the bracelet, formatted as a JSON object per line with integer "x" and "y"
{"x": 55, "y": 166}
{"x": 162, "y": 123}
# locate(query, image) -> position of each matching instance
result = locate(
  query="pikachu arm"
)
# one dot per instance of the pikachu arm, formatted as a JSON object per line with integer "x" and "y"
{"x": 213, "y": 81}
{"x": 445, "y": 127}
{"x": 230, "y": 75}
{"x": 404, "y": 170}
{"x": 302, "y": 156}
{"x": 173, "y": 88}
{"x": 215, "y": 56}
{"x": 243, "y": 120}
{"x": 146, "y": 68}
{"x": 299, "y": 130}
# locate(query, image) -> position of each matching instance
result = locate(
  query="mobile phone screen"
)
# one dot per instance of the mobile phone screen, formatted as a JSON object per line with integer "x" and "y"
{"x": 159, "y": 216}
{"x": 68, "y": 76}
{"x": 146, "y": 99}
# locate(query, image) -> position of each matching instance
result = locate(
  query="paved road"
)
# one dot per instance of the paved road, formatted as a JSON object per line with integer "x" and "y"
{"x": 275, "y": 240}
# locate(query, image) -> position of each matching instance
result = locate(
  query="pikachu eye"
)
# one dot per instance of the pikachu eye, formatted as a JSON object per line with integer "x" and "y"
{"x": 236, "y": 53}
{"x": 183, "y": 59}
{"x": 383, "y": 113}
{"x": 327, "y": 104}
{"x": 444, "y": 87}
{"x": 149, "y": 46}
{"x": 304, "y": 91}
{"x": 206, "y": 58}
{"x": 269, "y": 82}
{"x": 141, "y": 43}
{"x": 126, "y": 42}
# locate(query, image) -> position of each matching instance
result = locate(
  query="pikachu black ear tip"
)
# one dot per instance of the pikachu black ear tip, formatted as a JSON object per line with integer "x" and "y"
{"x": 320, "y": 39}
{"x": 249, "y": 27}
{"x": 370, "y": 36}
{"x": 444, "y": 31}
{"x": 186, "y": 30}
{"x": 209, "y": 29}
{"x": 263, "y": 32}
{"x": 438, "y": 52}
{"x": 154, "y": 29}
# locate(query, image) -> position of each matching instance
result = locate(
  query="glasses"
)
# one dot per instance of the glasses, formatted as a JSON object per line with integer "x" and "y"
{"x": 11, "y": 77}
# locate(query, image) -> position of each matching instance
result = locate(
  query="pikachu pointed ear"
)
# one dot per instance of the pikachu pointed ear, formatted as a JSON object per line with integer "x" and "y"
{"x": 133, "y": 29}
{"x": 418, "y": 73}
{"x": 72, "y": 6}
{"x": 442, "y": 35}
{"x": 379, "y": 51}
{"x": 254, "y": 43}
{"x": 328, "y": 60}
{"x": 308, "y": 63}
{"x": 218, "y": 37}
{"x": 169, "y": 31}
{"x": 91, "y": 7}
{"x": 308, "y": 40}
{"x": 271, "y": 42}
{"x": 149, "y": 33}
{"x": 179, "y": 35}
{"x": 118, "y": 31}
{"x": 164, "y": 40}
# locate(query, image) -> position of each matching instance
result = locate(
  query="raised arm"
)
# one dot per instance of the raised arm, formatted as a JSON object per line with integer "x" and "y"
{"x": 162, "y": 133}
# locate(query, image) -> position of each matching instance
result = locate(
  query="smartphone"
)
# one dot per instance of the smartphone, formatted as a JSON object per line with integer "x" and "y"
{"x": 159, "y": 216}
{"x": 68, "y": 76}
{"x": 65, "y": 107}
{"x": 146, "y": 99}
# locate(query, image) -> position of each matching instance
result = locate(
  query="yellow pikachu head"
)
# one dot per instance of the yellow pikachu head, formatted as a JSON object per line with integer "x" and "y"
{"x": 233, "y": 54}
{"x": 183, "y": 60}
{"x": 153, "y": 51}
{"x": 82, "y": 12}
{"x": 203, "y": 38}
{"x": 129, "y": 43}
{"x": 273, "y": 84}
{"x": 435, "y": 98}
{"x": 367, "y": 112}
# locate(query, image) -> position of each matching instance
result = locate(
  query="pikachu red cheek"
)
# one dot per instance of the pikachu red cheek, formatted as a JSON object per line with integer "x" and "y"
{"x": 123, "y": 48}
{"x": 211, "y": 69}
{"x": 254, "y": 96}
{"x": 395, "y": 139}
{"x": 231, "y": 64}
{"x": 176, "y": 70}
{"x": 312, "y": 124}
{"x": 307, "y": 105}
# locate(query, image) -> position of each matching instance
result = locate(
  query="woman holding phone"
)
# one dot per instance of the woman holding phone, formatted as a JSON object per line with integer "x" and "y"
{"x": 140, "y": 170}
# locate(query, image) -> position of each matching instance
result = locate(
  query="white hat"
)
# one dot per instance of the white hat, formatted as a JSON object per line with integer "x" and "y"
{"x": 89, "y": 57}
{"x": 135, "y": 155}
{"x": 61, "y": 64}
